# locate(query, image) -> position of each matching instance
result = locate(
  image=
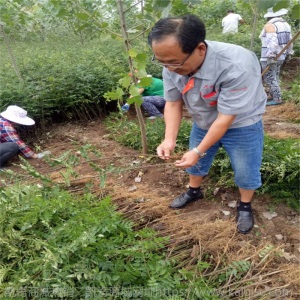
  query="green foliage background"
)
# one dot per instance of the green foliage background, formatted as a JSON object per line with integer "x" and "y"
{"x": 70, "y": 53}
{"x": 62, "y": 78}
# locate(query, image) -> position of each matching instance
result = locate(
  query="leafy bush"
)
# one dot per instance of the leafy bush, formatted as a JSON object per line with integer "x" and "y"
{"x": 62, "y": 79}
{"x": 294, "y": 91}
{"x": 280, "y": 170}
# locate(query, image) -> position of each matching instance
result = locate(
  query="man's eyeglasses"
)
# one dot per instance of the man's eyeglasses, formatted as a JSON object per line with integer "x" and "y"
{"x": 166, "y": 65}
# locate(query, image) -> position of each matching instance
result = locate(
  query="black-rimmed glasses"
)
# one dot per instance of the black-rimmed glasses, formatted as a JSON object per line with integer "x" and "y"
{"x": 166, "y": 65}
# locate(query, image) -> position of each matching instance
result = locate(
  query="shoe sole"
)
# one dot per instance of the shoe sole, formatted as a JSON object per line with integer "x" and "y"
{"x": 271, "y": 103}
{"x": 244, "y": 232}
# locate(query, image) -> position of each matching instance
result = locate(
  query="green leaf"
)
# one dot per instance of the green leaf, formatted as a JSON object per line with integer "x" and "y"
{"x": 281, "y": 4}
{"x": 62, "y": 12}
{"x": 137, "y": 100}
{"x": 116, "y": 95}
{"x": 82, "y": 16}
{"x": 144, "y": 82}
{"x": 141, "y": 61}
{"x": 134, "y": 91}
{"x": 295, "y": 12}
{"x": 263, "y": 5}
{"x": 125, "y": 82}
{"x": 159, "y": 4}
{"x": 104, "y": 24}
{"x": 166, "y": 11}
{"x": 132, "y": 52}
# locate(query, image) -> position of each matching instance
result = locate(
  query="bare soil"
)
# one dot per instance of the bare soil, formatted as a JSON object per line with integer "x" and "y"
{"x": 205, "y": 226}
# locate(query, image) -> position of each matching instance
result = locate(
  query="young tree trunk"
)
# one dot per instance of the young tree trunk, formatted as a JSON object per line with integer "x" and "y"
{"x": 127, "y": 46}
{"x": 254, "y": 24}
{"x": 6, "y": 40}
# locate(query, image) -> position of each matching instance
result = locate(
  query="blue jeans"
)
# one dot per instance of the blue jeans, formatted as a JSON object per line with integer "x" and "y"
{"x": 243, "y": 145}
{"x": 154, "y": 105}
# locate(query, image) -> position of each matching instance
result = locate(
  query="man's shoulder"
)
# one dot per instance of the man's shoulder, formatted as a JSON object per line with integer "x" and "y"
{"x": 226, "y": 52}
{"x": 221, "y": 45}
{"x": 270, "y": 28}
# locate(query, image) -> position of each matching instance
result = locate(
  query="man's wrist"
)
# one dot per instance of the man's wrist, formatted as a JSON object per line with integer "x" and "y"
{"x": 200, "y": 153}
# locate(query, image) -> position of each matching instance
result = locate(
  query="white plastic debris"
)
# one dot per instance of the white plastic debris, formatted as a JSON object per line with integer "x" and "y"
{"x": 268, "y": 215}
{"x": 132, "y": 188}
{"x": 226, "y": 212}
{"x": 232, "y": 204}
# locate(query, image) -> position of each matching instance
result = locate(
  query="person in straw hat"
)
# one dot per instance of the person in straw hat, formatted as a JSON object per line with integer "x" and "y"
{"x": 10, "y": 142}
{"x": 275, "y": 36}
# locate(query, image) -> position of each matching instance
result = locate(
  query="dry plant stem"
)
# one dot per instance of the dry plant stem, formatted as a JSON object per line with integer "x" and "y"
{"x": 255, "y": 279}
{"x": 264, "y": 259}
{"x": 225, "y": 250}
{"x": 264, "y": 292}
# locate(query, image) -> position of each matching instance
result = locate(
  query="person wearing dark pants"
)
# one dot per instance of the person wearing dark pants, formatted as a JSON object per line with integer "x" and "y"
{"x": 7, "y": 151}
{"x": 10, "y": 142}
{"x": 153, "y": 98}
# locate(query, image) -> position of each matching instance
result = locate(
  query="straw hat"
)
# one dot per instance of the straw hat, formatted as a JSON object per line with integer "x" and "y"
{"x": 271, "y": 14}
{"x": 17, "y": 115}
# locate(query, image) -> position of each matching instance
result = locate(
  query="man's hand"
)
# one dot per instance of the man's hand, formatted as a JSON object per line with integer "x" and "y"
{"x": 188, "y": 160}
{"x": 165, "y": 149}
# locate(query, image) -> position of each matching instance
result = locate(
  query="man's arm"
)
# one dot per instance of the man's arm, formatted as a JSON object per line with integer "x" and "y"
{"x": 241, "y": 20}
{"x": 172, "y": 116}
{"x": 141, "y": 90}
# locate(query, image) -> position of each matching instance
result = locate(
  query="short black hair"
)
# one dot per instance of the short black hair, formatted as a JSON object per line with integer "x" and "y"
{"x": 188, "y": 30}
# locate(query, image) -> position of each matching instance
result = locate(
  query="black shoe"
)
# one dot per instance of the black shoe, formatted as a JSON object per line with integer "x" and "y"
{"x": 182, "y": 200}
{"x": 245, "y": 221}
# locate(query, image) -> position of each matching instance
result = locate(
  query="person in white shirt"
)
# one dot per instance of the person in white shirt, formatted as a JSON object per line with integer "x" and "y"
{"x": 230, "y": 23}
